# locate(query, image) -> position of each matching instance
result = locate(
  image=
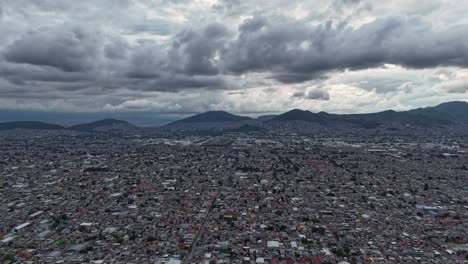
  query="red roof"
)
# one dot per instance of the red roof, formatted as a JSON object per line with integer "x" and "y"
{"x": 182, "y": 246}
{"x": 316, "y": 260}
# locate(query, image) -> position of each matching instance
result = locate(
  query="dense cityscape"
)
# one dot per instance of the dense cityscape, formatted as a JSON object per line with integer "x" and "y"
{"x": 233, "y": 132}
{"x": 233, "y": 198}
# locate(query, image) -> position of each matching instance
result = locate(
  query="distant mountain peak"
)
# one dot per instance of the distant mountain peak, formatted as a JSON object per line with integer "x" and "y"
{"x": 109, "y": 121}
{"x": 96, "y": 125}
{"x": 298, "y": 111}
{"x": 215, "y": 111}
{"x": 213, "y": 116}
{"x": 457, "y": 110}
{"x": 453, "y": 103}
{"x": 300, "y": 115}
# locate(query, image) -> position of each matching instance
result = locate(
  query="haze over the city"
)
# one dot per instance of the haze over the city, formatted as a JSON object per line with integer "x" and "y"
{"x": 170, "y": 59}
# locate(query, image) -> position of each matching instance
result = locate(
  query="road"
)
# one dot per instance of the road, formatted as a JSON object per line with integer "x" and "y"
{"x": 189, "y": 256}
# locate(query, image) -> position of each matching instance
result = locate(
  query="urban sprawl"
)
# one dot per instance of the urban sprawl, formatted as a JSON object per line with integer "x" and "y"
{"x": 233, "y": 198}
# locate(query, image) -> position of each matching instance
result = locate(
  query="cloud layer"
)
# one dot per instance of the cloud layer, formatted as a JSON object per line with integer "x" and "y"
{"x": 242, "y": 56}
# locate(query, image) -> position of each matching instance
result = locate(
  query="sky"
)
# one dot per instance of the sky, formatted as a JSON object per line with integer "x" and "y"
{"x": 178, "y": 57}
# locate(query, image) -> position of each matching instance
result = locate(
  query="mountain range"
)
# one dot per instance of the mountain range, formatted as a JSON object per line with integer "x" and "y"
{"x": 104, "y": 125}
{"x": 29, "y": 125}
{"x": 212, "y": 116}
{"x": 442, "y": 116}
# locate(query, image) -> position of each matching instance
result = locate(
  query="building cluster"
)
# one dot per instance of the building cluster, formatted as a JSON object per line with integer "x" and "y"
{"x": 233, "y": 198}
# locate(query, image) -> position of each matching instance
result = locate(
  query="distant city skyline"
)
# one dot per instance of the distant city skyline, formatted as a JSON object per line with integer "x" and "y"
{"x": 172, "y": 58}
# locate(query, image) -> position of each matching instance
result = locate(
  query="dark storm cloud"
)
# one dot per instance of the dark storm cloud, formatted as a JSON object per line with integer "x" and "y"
{"x": 192, "y": 52}
{"x": 180, "y": 82}
{"x": 57, "y": 48}
{"x": 295, "y": 52}
{"x": 287, "y": 50}
{"x": 65, "y": 55}
{"x": 165, "y": 82}
{"x": 22, "y": 73}
{"x": 188, "y": 63}
{"x": 146, "y": 62}
{"x": 71, "y": 50}
{"x": 116, "y": 49}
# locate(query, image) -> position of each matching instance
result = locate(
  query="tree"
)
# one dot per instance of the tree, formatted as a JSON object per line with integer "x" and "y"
{"x": 426, "y": 187}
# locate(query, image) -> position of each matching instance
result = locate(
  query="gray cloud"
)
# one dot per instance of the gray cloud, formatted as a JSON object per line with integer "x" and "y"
{"x": 23, "y": 73}
{"x": 153, "y": 26}
{"x": 116, "y": 49}
{"x": 313, "y": 94}
{"x": 318, "y": 94}
{"x": 193, "y": 51}
{"x": 71, "y": 50}
{"x": 76, "y": 49}
{"x": 146, "y": 62}
{"x": 290, "y": 51}
{"x": 298, "y": 94}
{"x": 63, "y": 55}
{"x": 294, "y": 52}
{"x": 454, "y": 86}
